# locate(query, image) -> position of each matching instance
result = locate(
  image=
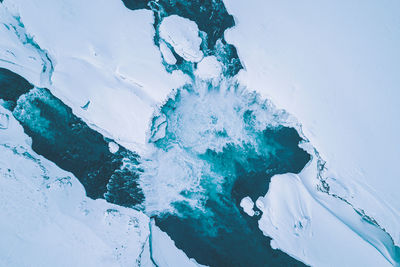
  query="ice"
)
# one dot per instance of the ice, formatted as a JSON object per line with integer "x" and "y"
{"x": 167, "y": 54}
{"x": 19, "y": 55}
{"x": 304, "y": 229}
{"x": 113, "y": 147}
{"x": 183, "y": 35}
{"x": 209, "y": 68}
{"x": 247, "y": 204}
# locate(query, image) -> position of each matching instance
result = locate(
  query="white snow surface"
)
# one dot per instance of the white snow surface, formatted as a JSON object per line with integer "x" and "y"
{"x": 16, "y": 54}
{"x": 168, "y": 56}
{"x": 183, "y": 35}
{"x": 335, "y": 66}
{"x": 103, "y": 53}
{"x": 209, "y": 68}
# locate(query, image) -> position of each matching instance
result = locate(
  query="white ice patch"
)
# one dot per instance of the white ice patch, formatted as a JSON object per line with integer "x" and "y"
{"x": 247, "y": 204}
{"x": 183, "y": 35}
{"x": 209, "y": 68}
{"x": 166, "y": 53}
{"x": 113, "y": 147}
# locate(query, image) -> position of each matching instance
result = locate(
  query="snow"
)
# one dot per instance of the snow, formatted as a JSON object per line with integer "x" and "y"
{"x": 113, "y": 63}
{"x": 16, "y": 54}
{"x": 334, "y": 66}
{"x": 183, "y": 35}
{"x": 209, "y": 68}
{"x": 247, "y": 204}
{"x": 167, "y": 54}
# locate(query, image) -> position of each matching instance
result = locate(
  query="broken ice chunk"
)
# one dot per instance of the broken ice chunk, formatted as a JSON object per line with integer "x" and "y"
{"x": 247, "y": 204}
{"x": 113, "y": 147}
{"x": 183, "y": 35}
{"x": 166, "y": 53}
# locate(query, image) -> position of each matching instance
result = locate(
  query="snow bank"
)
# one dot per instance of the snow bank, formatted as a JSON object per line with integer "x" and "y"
{"x": 113, "y": 63}
{"x": 333, "y": 65}
{"x": 183, "y": 35}
{"x": 304, "y": 229}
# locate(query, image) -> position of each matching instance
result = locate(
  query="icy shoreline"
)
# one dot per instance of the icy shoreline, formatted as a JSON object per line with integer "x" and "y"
{"x": 341, "y": 110}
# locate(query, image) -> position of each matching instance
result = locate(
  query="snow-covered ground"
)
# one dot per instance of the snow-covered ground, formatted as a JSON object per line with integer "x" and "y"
{"x": 335, "y": 66}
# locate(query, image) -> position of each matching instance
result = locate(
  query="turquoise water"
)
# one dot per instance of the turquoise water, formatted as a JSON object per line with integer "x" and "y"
{"x": 235, "y": 239}
{"x": 12, "y": 86}
{"x": 63, "y": 138}
{"x": 221, "y": 144}
{"x": 66, "y": 140}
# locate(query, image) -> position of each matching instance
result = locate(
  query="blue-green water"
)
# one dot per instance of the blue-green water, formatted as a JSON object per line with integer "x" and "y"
{"x": 66, "y": 140}
{"x": 63, "y": 138}
{"x": 12, "y": 86}
{"x": 236, "y": 239}
{"x": 221, "y": 144}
